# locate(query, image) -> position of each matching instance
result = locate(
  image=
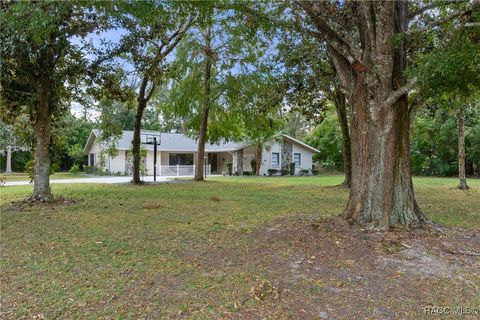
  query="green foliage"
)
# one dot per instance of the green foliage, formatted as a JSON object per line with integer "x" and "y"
{"x": 75, "y": 152}
{"x": 292, "y": 168}
{"x": 327, "y": 138}
{"x": 69, "y": 136}
{"x": 434, "y": 142}
{"x": 272, "y": 172}
{"x": 229, "y": 168}
{"x": 30, "y": 170}
{"x": 239, "y": 78}
{"x": 74, "y": 169}
{"x": 38, "y": 43}
{"x": 253, "y": 164}
{"x": 284, "y": 172}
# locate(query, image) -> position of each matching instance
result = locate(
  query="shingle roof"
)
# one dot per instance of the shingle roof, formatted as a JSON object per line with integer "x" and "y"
{"x": 176, "y": 142}
{"x": 169, "y": 142}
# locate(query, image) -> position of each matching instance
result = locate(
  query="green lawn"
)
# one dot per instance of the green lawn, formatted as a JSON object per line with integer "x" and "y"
{"x": 20, "y": 176}
{"x": 128, "y": 252}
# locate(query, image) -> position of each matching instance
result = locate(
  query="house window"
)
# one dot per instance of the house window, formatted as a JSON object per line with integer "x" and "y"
{"x": 92, "y": 159}
{"x": 297, "y": 159}
{"x": 275, "y": 159}
{"x": 183, "y": 159}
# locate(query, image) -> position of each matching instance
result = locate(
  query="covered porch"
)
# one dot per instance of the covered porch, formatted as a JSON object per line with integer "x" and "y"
{"x": 172, "y": 163}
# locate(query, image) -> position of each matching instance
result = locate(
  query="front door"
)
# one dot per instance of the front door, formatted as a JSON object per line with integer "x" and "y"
{"x": 212, "y": 160}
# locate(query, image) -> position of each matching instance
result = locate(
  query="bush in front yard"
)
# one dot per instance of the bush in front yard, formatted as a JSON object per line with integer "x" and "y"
{"x": 272, "y": 172}
{"x": 229, "y": 168}
{"x": 74, "y": 169}
{"x": 304, "y": 172}
{"x": 292, "y": 168}
{"x": 285, "y": 172}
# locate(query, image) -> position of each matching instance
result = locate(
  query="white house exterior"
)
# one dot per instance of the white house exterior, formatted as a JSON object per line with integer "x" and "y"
{"x": 176, "y": 154}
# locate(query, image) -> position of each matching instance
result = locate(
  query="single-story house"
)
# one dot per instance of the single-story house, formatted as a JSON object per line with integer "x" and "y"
{"x": 176, "y": 154}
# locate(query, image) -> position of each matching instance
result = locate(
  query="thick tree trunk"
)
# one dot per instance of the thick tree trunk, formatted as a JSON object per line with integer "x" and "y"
{"x": 461, "y": 149}
{"x": 42, "y": 134}
{"x": 8, "y": 169}
{"x": 258, "y": 158}
{"x": 199, "y": 166}
{"x": 136, "y": 179}
{"x": 341, "y": 108}
{"x": 381, "y": 190}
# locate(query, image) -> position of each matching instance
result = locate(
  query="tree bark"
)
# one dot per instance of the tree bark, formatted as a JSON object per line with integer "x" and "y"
{"x": 42, "y": 134}
{"x": 8, "y": 168}
{"x": 141, "y": 104}
{"x": 199, "y": 165}
{"x": 461, "y": 149}
{"x": 142, "y": 100}
{"x": 381, "y": 190}
{"x": 341, "y": 108}
{"x": 258, "y": 158}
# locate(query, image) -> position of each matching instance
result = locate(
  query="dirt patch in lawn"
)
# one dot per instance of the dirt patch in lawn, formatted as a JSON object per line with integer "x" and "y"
{"x": 28, "y": 204}
{"x": 327, "y": 269}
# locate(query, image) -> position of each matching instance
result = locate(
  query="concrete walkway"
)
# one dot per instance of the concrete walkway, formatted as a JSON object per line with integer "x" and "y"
{"x": 95, "y": 179}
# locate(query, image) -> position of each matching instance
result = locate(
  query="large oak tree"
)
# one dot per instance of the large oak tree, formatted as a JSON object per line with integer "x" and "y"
{"x": 367, "y": 41}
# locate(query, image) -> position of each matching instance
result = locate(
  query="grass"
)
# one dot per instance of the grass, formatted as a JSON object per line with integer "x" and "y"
{"x": 21, "y": 176}
{"x": 129, "y": 252}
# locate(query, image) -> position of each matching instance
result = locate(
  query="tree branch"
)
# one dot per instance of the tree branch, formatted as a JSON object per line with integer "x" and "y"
{"x": 395, "y": 95}
{"x": 331, "y": 31}
{"x": 431, "y": 6}
{"x": 457, "y": 14}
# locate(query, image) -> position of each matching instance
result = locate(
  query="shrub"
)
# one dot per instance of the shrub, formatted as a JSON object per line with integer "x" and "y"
{"x": 271, "y": 172}
{"x": 74, "y": 169}
{"x": 304, "y": 172}
{"x": 94, "y": 170}
{"x": 247, "y": 173}
{"x": 89, "y": 169}
{"x": 229, "y": 168}
{"x": 253, "y": 163}
{"x": 30, "y": 169}
{"x": 314, "y": 172}
{"x": 284, "y": 172}
{"x": 292, "y": 168}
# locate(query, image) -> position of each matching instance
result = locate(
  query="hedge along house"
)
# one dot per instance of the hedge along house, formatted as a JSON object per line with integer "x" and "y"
{"x": 176, "y": 154}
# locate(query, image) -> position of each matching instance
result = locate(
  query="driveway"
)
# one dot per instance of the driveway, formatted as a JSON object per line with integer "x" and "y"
{"x": 95, "y": 179}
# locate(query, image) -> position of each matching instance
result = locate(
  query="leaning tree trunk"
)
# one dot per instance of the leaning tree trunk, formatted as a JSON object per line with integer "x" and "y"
{"x": 381, "y": 190}
{"x": 199, "y": 166}
{"x": 461, "y": 149}
{"x": 341, "y": 108}
{"x": 42, "y": 134}
{"x": 258, "y": 158}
